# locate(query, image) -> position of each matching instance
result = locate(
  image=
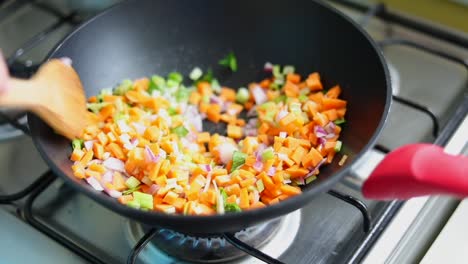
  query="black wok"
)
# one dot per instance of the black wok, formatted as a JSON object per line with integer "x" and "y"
{"x": 140, "y": 38}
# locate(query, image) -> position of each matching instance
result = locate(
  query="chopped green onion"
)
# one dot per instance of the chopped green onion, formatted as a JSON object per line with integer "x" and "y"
{"x": 176, "y": 77}
{"x": 77, "y": 144}
{"x": 134, "y": 204}
{"x": 129, "y": 191}
{"x": 180, "y": 131}
{"x": 277, "y": 71}
{"x": 145, "y": 200}
{"x": 238, "y": 159}
{"x": 268, "y": 154}
{"x": 132, "y": 182}
{"x": 215, "y": 86}
{"x": 260, "y": 186}
{"x": 288, "y": 69}
{"x": 232, "y": 208}
{"x": 229, "y": 61}
{"x": 310, "y": 179}
{"x": 242, "y": 95}
{"x": 156, "y": 83}
{"x": 338, "y": 146}
{"x": 195, "y": 74}
{"x": 303, "y": 98}
{"x": 339, "y": 121}
{"x": 123, "y": 87}
{"x": 223, "y": 194}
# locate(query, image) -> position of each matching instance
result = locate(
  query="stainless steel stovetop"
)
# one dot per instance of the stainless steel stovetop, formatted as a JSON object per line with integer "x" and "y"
{"x": 55, "y": 224}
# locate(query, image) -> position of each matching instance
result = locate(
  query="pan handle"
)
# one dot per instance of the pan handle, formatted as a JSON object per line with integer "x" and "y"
{"x": 417, "y": 170}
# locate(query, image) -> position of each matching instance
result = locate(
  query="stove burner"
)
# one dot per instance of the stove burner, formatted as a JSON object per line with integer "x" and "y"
{"x": 394, "y": 78}
{"x": 272, "y": 237}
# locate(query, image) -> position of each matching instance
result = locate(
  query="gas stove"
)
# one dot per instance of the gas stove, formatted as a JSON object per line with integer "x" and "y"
{"x": 52, "y": 223}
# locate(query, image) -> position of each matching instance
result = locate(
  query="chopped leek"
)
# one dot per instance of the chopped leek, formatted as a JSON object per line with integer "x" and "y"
{"x": 229, "y": 61}
{"x": 156, "y": 83}
{"x": 238, "y": 159}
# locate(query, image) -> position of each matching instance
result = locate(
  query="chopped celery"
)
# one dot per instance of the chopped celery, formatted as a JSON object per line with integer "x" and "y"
{"x": 172, "y": 111}
{"x": 123, "y": 87}
{"x": 132, "y": 182}
{"x": 295, "y": 108}
{"x": 310, "y": 179}
{"x": 340, "y": 121}
{"x": 288, "y": 69}
{"x": 176, "y": 77}
{"x": 96, "y": 107}
{"x": 242, "y": 95}
{"x": 121, "y": 116}
{"x": 77, "y": 144}
{"x": 156, "y": 83}
{"x": 206, "y": 99}
{"x": 232, "y": 208}
{"x": 274, "y": 86}
{"x": 270, "y": 115}
{"x": 215, "y": 86}
{"x": 195, "y": 74}
{"x": 268, "y": 106}
{"x": 134, "y": 204}
{"x": 238, "y": 159}
{"x": 129, "y": 191}
{"x": 229, "y": 61}
{"x": 268, "y": 154}
{"x": 277, "y": 71}
{"x": 338, "y": 146}
{"x": 180, "y": 131}
{"x": 303, "y": 98}
{"x": 172, "y": 84}
{"x": 145, "y": 200}
{"x": 279, "y": 81}
{"x": 281, "y": 98}
{"x": 182, "y": 94}
{"x": 260, "y": 186}
{"x": 251, "y": 188}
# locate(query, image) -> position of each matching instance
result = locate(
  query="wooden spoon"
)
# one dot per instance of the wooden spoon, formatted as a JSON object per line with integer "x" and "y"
{"x": 55, "y": 94}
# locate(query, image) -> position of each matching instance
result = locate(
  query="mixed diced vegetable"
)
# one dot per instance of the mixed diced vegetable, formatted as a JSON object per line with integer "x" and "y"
{"x": 147, "y": 147}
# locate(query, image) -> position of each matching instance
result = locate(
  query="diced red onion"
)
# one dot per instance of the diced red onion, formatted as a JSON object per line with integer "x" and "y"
{"x": 271, "y": 171}
{"x": 114, "y": 164}
{"x": 283, "y": 134}
{"x": 258, "y": 166}
{"x": 320, "y": 132}
{"x": 89, "y": 144}
{"x": 149, "y": 155}
{"x": 231, "y": 111}
{"x": 259, "y": 95}
{"x": 330, "y": 127}
{"x": 322, "y": 141}
{"x": 108, "y": 176}
{"x": 331, "y": 135}
{"x": 153, "y": 189}
{"x": 206, "y": 167}
{"x": 250, "y": 132}
{"x": 215, "y": 100}
{"x": 287, "y": 181}
{"x": 281, "y": 115}
{"x": 312, "y": 172}
{"x": 125, "y": 138}
{"x": 113, "y": 193}
{"x": 252, "y": 111}
{"x": 268, "y": 67}
{"x": 94, "y": 183}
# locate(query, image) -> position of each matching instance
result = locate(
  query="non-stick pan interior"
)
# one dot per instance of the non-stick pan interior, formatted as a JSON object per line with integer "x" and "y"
{"x": 140, "y": 38}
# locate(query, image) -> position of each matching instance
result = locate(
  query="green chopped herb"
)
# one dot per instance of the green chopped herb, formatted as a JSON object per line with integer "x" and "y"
{"x": 229, "y": 61}
{"x": 238, "y": 159}
{"x": 129, "y": 191}
{"x": 195, "y": 74}
{"x": 123, "y": 87}
{"x": 180, "y": 131}
{"x": 132, "y": 182}
{"x": 207, "y": 77}
{"x": 242, "y": 95}
{"x": 232, "y": 208}
{"x": 156, "y": 83}
{"x": 339, "y": 121}
{"x": 77, "y": 144}
{"x": 145, "y": 200}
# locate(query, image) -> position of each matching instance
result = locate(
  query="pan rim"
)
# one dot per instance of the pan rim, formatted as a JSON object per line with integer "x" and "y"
{"x": 260, "y": 214}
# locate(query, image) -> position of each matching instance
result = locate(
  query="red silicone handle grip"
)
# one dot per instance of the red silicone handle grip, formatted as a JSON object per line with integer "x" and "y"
{"x": 417, "y": 170}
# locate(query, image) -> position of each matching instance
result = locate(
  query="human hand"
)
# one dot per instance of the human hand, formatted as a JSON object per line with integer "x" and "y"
{"x": 4, "y": 75}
